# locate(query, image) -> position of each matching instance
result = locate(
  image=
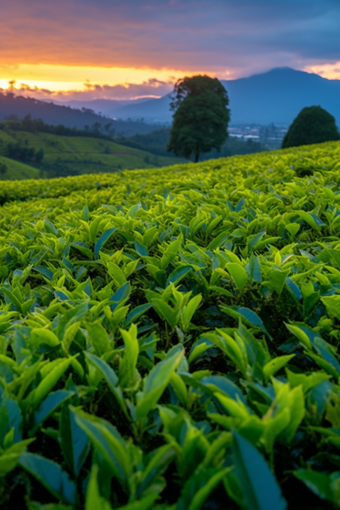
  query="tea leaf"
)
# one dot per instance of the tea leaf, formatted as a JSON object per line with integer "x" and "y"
{"x": 260, "y": 489}
{"x": 50, "y": 475}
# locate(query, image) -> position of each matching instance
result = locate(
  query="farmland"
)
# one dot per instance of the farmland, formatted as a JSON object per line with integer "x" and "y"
{"x": 169, "y": 337}
{"x": 16, "y": 170}
{"x": 75, "y": 155}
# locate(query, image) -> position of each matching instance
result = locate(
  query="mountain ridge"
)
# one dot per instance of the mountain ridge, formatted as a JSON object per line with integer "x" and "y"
{"x": 277, "y": 95}
{"x": 50, "y": 113}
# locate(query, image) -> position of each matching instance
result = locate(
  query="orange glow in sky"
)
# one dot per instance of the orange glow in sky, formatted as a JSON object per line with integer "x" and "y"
{"x": 62, "y": 78}
{"x": 330, "y": 71}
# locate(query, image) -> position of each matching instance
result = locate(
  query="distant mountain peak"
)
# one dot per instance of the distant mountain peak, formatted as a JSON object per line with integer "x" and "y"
{"x": 284, "y": 69}
{"x": 290, "y": 71}
{"x": 276, "y": 72}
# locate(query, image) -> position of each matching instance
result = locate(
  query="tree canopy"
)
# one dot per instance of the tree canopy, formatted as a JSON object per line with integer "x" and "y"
{"x": 312, "y": 125}
{"x": 201, "y": 116}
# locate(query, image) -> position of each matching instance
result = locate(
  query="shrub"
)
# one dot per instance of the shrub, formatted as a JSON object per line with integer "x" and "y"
{"x": 312, "y": 125}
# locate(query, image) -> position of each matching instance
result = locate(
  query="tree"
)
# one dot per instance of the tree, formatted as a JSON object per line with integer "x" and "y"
{"x": 201, "y": 116}
{"x": 312, "y": 125}
{"x": 96, "y": 127}
{"x": 39, "y": 155}
{"x": 3, "y": 168}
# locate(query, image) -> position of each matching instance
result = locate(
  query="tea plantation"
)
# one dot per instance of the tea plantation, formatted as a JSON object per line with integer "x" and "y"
{"x": 169, "y": 338}
{"x": 76, "y": 155}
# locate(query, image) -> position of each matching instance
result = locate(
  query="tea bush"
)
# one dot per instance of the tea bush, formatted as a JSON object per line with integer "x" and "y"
{"x": 169, "y": 338}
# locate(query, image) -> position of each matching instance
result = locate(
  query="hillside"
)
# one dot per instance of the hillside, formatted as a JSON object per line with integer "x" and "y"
{"x": 275, "y": 96}
{"x": 56, "y": 114}
{"x": 170, "y": 337}
{"x": 65, "y": 155}
{"x": 14, "y": 170}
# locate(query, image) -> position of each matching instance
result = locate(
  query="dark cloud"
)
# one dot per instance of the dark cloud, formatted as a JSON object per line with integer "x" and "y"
{"x": 212, "y": 35}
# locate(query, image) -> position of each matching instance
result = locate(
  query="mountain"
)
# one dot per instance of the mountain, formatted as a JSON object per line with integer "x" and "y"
{"x": 275, "y": 96}
{"x": 48, "y": 112}
{"x": 279, "y": 95}
{"x": 106, "y": 107}
{"x": 54, "y": 114}
{"x": 153, "y": 110}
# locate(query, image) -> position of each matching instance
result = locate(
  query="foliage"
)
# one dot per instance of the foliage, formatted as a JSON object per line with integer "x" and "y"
{"x": 156, "y": 143}
{"x": 13, "y": 169}
{"x": 169, "y": 339}
{"x": 312, "y": 125}
{"x": 23, "y": 152}
{"x": 200, "y": 117}
{"x": 59, "y": 156}
{"x": 39, "y": 126}
{"x": 3, "y": 168}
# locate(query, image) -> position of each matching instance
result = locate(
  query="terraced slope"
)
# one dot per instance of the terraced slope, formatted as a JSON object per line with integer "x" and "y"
{"x": 78, "y": 155}
{"x": 16, "y": 170}
{"x": 169, "y": 338}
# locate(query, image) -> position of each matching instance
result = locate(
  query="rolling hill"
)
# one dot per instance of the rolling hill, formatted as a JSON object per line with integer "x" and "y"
{"x": 76, "y": 155}
{"x": 16, "y": 170}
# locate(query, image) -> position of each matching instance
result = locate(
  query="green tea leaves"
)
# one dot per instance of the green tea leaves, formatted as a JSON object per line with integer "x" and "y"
{"x": 238, "y": 274}
{"x": 169, "y": 337}
{"x": 50, "y": 475}
{"x": 74, "y": 442}
{"x": 260, "y": 489}
{"x": 102, "y": 240}
{"x": 157, "y": 380}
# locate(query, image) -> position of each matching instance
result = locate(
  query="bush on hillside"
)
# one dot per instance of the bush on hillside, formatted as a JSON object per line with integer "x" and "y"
{"x": 312, "y": 125}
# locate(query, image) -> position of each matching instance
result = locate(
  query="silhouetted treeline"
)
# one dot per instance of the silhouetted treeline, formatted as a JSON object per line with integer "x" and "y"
{"x": 39, "y": 126}
{"x": 56, "y": 115}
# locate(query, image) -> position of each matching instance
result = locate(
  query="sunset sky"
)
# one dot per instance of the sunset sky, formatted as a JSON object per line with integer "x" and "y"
{"x": 133, "y": 48}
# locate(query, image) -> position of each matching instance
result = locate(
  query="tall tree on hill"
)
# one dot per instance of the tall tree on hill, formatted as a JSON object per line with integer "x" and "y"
{"x": 312, "y": 125}
{"x": 201, "y": 116}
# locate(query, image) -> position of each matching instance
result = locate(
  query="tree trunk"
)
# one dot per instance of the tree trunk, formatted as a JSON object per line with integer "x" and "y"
{"x": 197, "y": 155}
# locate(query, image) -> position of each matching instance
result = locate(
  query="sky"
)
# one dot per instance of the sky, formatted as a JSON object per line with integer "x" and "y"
{"x": 88, "y": 49}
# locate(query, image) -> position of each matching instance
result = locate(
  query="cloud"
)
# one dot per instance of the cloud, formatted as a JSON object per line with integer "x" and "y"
{"x": 243, "y": 36}
{"x": 330, "y": 71}
{"x": 150, "y": 88}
